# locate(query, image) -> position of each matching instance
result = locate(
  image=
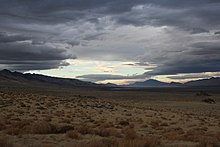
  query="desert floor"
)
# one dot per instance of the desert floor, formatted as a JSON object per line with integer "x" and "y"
{"x": 32, "y": 117}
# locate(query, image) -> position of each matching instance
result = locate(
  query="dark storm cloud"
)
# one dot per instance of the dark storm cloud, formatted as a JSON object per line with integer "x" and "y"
{"x": 137, "y": 64}
{"x": 206, "y": 49}
{"x": 5, "y": 38}
{"x": 50, "y": 11}
{"x": 18, "y": 16}
{"x": 199, "y": 30}
{"x": 185, "y": 68}
{"x": 93, "y": 36}
{"x": 217, "y": 33}
{"x": 147, "y": 66}
{"x": 184, "y": 15}
{"x": 190, "y": 76}
{"x": 26, "y": 56}
{"x": 32, "y": 65}
{"x": 31, "y": 25}
{"x": 168, "y": 12}
{"x": 27, "y": 51}
{"x": 73, "y": 43}
{"x": 203, "y": 57}
{"x": 102, "y": 77}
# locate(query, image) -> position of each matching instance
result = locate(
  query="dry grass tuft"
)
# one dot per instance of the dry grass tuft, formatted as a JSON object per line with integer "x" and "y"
{"x": 174, "y": 133}
{"x": 84, "y": 130}
{"x": 72, "y": 134}
{"x": 21, "y": 124}
{"x": 4, "y": 142}
{"x": 106, "y": 132}
{"x": 42, "y": 127}
{"x": 64, "y": 128}
{"x": 173, "y": 136}
{"x": 199, "y": 135}
{"x": 2, "y": 126}
{"x": 13, "y": 131}
{"x": 139, "y": 142}
{"x": 101, "y": 143}
{"x": 47, "y": 145}
{"x": 124, "y": 123}
{"x": 95, "y": 143}
{"x": 130, "y": 134}
{"x": 155, "y": 124}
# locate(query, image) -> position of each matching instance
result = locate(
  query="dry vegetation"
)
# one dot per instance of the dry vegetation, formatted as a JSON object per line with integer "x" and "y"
{"x": 50, "y": 119}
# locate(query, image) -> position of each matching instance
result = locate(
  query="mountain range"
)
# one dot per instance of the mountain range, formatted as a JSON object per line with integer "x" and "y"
{"x": 197, "y": 83}
{"x": 154, "y": 83}
{"x": 8, "y": 77}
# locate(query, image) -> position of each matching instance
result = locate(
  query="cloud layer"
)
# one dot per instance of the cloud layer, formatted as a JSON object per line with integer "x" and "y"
{"x": 175, "y": 36}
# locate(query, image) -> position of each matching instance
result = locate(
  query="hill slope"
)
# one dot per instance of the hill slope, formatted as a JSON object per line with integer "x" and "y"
{"x": 7, "y": 76}
{"x": 204, "y": 82}
{"x": 16, "y": 78}
{"x": 212, "y": 82}
{"x": 154, "y": 83}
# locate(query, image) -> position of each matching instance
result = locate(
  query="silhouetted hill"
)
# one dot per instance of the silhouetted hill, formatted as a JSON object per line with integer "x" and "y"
{"x": 154, "y": 83}
{"x": 214, "y": 82}
{"x": 111, "y": 85}
{"x": 12, "y": 78}
{"x": 7, "y": 76}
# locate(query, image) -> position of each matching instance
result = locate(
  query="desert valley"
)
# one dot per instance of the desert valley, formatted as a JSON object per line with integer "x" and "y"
{"x": 109, "y": 73}
{"x": 35, "y": 113}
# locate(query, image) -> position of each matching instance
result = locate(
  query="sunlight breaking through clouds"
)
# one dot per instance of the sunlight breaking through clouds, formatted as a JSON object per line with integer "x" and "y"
{"x": 174, "y": 37}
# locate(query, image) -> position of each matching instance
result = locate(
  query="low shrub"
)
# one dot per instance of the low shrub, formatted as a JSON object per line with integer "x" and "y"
{"x": 72, "y": 134}
{"x": 4, "y": 142}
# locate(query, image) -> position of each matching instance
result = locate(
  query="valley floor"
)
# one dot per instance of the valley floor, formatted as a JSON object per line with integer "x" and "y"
{"x": 99, "y": 118}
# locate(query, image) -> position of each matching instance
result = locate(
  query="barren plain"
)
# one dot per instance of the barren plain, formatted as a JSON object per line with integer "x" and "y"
{"x": 59, "y": 117}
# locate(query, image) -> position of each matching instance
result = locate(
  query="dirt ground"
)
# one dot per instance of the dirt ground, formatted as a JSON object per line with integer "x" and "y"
{"x": 103, "y": 118}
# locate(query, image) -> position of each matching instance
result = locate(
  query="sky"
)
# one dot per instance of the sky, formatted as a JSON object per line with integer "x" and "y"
{"x": 117, "y": 41}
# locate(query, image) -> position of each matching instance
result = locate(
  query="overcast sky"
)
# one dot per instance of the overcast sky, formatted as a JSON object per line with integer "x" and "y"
{"x": 117, "y": 41}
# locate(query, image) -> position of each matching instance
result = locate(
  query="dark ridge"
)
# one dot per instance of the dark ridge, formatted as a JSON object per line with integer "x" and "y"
{"x": 20, "y": 78}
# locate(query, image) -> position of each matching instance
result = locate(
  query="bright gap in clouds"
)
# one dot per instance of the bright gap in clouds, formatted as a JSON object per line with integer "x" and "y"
{"x": 81, "y": 67}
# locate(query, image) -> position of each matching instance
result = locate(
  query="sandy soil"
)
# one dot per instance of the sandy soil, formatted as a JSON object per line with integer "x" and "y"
{"x": 59, "y": 118}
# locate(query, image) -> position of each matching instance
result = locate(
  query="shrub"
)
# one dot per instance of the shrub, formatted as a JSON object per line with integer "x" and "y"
{"x": 21, "y": 124}
{"x": 164, "y": 124}
{"x": 102, "y": 143}
{"x": 64, "y": 128}
{"x": 130, "y": 134}
{"x": 83, "y": 130}
{"x": 106, "y": 132}
{"x": 47, "y": 145}
{"x": 209, "y": 100}
{"x": 199, "y": 135}
{"x": 139, "y": 142}
{"x": 155, "y": 124}
{"x": 42, "y": 127}
{"x": 95, "y": 143}
{"x": 72, "y": 134}
{"x": 172, "y": 135}
{"x": 12, "y": 131}
{"x": 124, "y": 123}
{"x": 4, "y": 142}
{"x": 2, "y": 126}
{"x": 202, "y": 93}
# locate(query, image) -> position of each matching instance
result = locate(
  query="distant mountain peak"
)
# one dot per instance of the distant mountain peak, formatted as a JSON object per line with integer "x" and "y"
{"x": 6, "y": 71}
{"x": 150, "y": 83}
{"x": 111, "y": 84}
{"x": 213, "y": 81}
